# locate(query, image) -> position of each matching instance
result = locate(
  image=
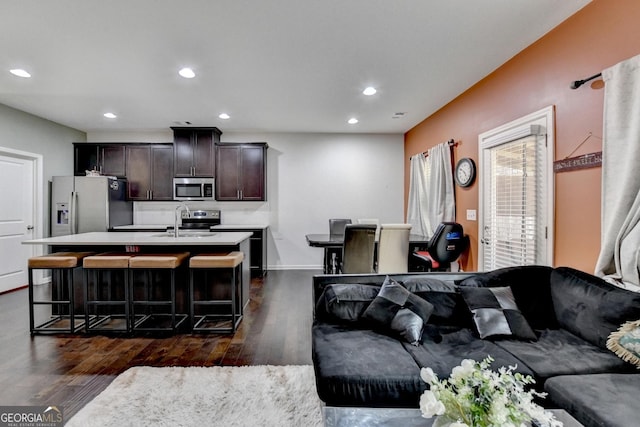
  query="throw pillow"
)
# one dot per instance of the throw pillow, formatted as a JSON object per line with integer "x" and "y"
{"x": 399, "y": 310}
{"x": 530, "y": 285}
{"x": 448, "y": 307}
{"x": 625, "y": 342}
{"x": 495, "y": 313}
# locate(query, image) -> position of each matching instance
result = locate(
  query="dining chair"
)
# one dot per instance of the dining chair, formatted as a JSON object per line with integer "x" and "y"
{"x": 371, "y": 221}
{"x": 393, "y": 248}
{"x": 333, "y": 255}
{"x": 336, "y": 226}
{"x": 358, "y": 248}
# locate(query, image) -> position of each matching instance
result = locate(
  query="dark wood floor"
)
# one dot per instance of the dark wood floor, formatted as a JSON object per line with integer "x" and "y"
{"x": 69, "y": 371}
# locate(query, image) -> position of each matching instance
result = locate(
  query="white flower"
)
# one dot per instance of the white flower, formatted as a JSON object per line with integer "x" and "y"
{"x": 465, "y": 369}
{"x": 428, "y": 376}
{"x": 430, "y": 405}
{"x": 458, "y": 424}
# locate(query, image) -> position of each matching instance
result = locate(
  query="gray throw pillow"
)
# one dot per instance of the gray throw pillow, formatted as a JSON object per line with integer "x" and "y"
{"x": 398, "y": 310}
{"x": 495, "y": 313}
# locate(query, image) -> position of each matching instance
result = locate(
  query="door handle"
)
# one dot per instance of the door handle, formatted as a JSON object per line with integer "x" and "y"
{"x": 29, "y": 227}
{"x": 73, "y": 213}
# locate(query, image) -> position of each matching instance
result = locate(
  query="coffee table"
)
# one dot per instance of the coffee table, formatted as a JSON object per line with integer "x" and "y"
{"x": 400, "y": 417}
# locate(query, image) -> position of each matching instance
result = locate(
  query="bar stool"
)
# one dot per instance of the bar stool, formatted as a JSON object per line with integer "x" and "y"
{"x": 62, "y": 302}
{"x": 154, "y": 269}
{"x": 204, "y": 320}
{"x": 107, "y": 293}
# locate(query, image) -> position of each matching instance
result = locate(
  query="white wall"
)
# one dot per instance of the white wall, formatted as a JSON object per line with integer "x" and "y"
{"x": 310, "y": 178}
{"x": 25, "y": 132}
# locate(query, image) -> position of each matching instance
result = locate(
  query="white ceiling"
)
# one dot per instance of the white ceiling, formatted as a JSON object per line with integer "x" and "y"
{"x": 273, "y": 65}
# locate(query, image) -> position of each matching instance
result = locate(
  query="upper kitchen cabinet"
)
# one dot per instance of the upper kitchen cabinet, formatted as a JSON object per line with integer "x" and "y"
{"x": 150, "y": 172}
{"x": 241, "y": 171}
{"x": 107, "y": 159}
{"x": 194, "y": 151}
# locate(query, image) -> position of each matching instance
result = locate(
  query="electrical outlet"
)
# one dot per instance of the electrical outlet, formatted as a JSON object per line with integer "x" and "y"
{"x": 471, "y": 215}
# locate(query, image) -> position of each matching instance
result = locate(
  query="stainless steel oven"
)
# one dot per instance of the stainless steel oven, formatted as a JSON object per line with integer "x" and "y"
{"x": 193, "y": 189}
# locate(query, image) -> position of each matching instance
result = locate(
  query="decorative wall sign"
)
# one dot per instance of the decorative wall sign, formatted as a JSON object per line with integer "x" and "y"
{"x": 586, "y": 161}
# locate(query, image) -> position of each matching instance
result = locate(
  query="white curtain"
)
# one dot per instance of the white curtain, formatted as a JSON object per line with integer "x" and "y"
{"x": 417, "y": 204}
{"x": 431, "y": 193}
{"x": 619, "y": 259}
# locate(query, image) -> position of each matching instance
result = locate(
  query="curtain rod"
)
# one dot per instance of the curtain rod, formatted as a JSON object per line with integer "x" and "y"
{"x": 451, "y": 143}
{"x": 577, "y": 83}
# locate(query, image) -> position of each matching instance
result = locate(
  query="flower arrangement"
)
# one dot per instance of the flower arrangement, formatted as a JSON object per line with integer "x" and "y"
{"x": 475, "y": 396}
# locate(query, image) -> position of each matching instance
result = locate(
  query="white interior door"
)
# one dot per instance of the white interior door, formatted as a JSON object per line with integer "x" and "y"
{"x": 17, "y": 219}
{"x": 516, "y": 193}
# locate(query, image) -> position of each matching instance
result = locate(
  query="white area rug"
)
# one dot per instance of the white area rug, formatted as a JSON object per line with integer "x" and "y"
{"x": 206, "y": 396}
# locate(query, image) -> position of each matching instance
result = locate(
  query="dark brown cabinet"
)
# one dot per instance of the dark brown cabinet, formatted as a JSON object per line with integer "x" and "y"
{"x": 107, "y": 159}
{"x": 241, "y": 171}
{"x": 113, "y": 159}
{"x": 150, "y": 172}
{"x": 195, "y": 151}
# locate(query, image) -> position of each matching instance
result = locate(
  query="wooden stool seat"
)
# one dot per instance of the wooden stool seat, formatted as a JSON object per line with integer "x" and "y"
{"x": 158, "y": 260}
{"x": 107, "y": 261}
{"x": 61, "y": 315}
{"x": 229, "y": 260}
{"x": 58, "y": 260}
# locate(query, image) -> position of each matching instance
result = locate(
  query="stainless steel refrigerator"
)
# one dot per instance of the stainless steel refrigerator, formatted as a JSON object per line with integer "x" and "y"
{"x": 80, "y": 204}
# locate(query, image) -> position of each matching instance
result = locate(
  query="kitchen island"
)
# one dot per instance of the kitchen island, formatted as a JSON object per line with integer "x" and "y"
{"x": 194, "y": 242}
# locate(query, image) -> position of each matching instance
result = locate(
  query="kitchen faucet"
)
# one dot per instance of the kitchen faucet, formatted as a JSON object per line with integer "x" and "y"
{"x": 179, "y": 208}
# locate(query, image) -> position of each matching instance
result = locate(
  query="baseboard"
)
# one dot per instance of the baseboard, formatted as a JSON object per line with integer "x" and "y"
{"x": 295, "y": 267}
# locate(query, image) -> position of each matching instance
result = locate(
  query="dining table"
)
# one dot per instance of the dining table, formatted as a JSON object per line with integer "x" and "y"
{"x": 332, "y": 245}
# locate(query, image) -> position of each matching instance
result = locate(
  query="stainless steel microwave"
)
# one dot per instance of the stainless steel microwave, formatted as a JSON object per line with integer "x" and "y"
{"x": 193, "y": 189}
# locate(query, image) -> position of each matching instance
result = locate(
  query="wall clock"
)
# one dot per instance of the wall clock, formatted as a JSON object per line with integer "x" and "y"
{"x": 465, "y": 172}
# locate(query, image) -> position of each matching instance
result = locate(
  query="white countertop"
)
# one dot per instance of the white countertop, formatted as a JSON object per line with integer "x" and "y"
{"x": 187, "y": 238}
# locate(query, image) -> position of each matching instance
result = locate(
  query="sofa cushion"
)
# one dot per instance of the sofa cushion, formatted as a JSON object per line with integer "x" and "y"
{"x": 398, "y": 310}
{"x": 345, "y": 302}
{"x": 359, "y": 367}
{"x": 530, "y": 287}
{"x": 496, "y": 314}
{"x": 625, "y": 342}
{"x": 597, "y": 400}
{"x": 443, "y": 348}
{"x": 448, "y": 306}
{"x": 589, "y": 307}
{"x": 559, "y": 352}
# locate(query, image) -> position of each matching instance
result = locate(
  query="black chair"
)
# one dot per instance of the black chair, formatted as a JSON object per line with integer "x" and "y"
{"x": 445, "y": 246}
{"x": 333, "y": 256}
{"x": 337, "y": 225}
{"x": 358, "y": 250}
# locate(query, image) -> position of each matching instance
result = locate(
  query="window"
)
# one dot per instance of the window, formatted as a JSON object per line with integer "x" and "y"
{"x": 516, "y": 193}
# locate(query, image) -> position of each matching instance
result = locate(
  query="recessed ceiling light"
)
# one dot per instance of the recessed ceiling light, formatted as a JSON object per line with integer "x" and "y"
{"x": 110, "y": 115}
{"x": 187, "y": 73}
{"x": 224, "y": 116}
{"x": 369, "y": 91}
{"x": 352, "y": 121}
{"x": 20, "y": 73}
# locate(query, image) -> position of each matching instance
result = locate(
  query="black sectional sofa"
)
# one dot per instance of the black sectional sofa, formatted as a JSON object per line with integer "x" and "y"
{"x": 360, "y": 360}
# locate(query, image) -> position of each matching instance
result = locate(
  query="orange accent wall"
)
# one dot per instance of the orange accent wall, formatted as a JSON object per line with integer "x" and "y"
{"x": 598, "y": 36}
